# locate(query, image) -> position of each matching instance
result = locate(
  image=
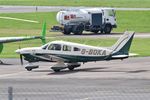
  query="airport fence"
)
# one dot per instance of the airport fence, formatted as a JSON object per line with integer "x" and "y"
{"x": 73, "y": 93}
{"x": 12, "y": 93}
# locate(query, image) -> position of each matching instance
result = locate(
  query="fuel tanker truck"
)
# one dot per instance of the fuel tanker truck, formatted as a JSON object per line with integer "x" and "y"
{"x": 76, "y": 21}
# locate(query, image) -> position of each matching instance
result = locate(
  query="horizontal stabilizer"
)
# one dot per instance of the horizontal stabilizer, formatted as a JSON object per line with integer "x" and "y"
{"x": 120, "y": 56}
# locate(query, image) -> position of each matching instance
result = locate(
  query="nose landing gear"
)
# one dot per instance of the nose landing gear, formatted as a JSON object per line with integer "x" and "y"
{"x": 29, "y": 67}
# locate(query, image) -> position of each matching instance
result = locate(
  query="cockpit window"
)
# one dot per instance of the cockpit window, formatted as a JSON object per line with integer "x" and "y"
{"x": 45, "y": 46}
{"x": 76, "y": 49}
{"x": 54, "y": 47}
{"x": 66, "y": 48}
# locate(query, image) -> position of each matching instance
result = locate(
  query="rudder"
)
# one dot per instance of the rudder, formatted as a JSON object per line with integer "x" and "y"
{"x": 123, "y": 44}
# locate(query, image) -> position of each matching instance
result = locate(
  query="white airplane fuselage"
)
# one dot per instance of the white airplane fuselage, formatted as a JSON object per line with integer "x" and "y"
{"x": 68, "y": 52}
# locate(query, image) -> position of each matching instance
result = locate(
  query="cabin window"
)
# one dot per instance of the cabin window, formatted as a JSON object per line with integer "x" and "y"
{"x": 66, "y": 48}
{"x": 54, "y": 47}
{"x": 76, "y": 49}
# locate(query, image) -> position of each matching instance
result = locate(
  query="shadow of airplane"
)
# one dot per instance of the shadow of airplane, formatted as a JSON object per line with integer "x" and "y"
{"x": 68, "y": 71}
{"x": 5, "y": 64}
{"x": 42, "y": 71}
{"x": 96, "y": 69}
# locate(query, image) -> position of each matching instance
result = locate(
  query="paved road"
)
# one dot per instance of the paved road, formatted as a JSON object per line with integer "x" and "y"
{"x": 91, "y": 35}
{"x": 132, "y": 68}
{"x": 77, "y": 89}
{"x": 22, "y": 9}
{"x": 107, "y": 80}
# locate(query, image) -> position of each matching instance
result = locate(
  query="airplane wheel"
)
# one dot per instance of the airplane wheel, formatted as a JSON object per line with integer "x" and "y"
{"x": 71, "y": 68}
{"x": 56, "y": 70}
{"x": 29, "y": 69}
{"x": 107, "y": 29}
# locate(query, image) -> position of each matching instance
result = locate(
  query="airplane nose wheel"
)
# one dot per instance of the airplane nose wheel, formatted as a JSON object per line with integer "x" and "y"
{"x": 29, "y": 69}
{"x": 30, "y": 66}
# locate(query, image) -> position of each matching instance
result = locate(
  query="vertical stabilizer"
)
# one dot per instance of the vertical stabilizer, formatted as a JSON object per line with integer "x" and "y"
{"x": 122, "y": 46}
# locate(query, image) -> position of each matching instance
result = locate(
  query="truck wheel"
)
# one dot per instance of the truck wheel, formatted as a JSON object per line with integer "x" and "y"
{"x": 67, "y": 30}
{"x": 107, "y": 29}
{"x": 77, "y": 30}
{"x": 102, "y": 31}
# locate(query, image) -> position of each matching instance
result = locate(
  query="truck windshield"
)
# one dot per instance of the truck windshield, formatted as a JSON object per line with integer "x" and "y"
{"x": 111, "y": 13}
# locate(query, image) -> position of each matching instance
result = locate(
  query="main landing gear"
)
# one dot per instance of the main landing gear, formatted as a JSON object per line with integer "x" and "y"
{"x": 56, "y": 68}
{"x": 30, "y": 66}
{"x": 60, "y": 66}
{"x": 1, "y": 62}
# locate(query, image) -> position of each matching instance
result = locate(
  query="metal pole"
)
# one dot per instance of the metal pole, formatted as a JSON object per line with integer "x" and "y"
{"x": 10, "y": 93}
{"x": 36, "y": 8}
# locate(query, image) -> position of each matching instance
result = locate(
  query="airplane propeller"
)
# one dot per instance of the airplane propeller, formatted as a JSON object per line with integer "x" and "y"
{"x": 21, "y": 59}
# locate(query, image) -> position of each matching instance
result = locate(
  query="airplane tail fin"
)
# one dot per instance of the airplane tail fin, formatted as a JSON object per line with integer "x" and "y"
{"x": 122, "y": 46}
{"x": 43, "y": 33}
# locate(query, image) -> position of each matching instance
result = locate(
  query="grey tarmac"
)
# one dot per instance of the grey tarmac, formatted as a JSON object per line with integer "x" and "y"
{"x": 131, "y": 68}
{"x": 104, "y": 80}
{"x": 99, "y": 35}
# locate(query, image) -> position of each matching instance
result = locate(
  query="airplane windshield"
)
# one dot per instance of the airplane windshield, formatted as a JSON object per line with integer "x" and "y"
{"x": 45, "y": 46}
{"x": 54, "y": 47}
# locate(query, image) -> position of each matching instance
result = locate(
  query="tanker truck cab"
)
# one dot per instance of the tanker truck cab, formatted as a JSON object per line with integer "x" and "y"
{"x": 96, "y": 20}
{"x": 109, "y": 19}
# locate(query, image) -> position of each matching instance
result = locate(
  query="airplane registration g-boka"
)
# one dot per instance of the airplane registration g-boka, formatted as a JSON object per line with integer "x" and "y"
{"x": 71, "y": 55}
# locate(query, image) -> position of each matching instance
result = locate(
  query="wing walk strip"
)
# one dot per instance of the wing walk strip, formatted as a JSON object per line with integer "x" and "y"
{"x": 41, "y": 57}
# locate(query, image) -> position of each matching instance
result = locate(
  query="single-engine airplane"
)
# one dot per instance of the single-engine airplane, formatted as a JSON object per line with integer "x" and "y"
{"x": 16, "y": 39}
{"x": 71, "y": 55}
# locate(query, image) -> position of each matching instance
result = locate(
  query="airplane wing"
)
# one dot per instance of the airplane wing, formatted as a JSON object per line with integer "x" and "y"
{"x": 50, "y": 58}
{"x": 15, "y": 39}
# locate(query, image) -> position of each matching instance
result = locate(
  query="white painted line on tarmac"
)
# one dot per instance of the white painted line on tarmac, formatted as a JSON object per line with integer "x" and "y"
{"x": 83, "y": 99}
{"x": 7, "y": 75}
{"x": 18, "y": 19}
